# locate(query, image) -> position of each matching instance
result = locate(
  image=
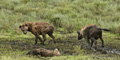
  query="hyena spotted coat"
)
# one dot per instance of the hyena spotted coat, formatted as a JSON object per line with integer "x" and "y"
{"x": 91, "y": 32}
{"x": 38, "y": 28}
{"x": 44, "y": 52}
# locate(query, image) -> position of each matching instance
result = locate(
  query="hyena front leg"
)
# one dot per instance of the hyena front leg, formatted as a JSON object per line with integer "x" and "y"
{"x": 44, "y": 37}
{"x": 88, "y": 41}
{"x": 93, "y": 40}
{"x": 37, "y": 37}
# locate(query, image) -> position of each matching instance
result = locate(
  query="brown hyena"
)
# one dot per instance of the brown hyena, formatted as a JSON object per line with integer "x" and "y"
{"x": 91, "y": 32}
{"x": 38, "y": 28}
{"x": 44, "y": 52}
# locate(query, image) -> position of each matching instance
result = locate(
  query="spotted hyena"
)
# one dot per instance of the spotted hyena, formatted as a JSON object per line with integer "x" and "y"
{"x": 38, "y": 28}
{"x": 44, "y": 52}
{"x": 91, "y": 32}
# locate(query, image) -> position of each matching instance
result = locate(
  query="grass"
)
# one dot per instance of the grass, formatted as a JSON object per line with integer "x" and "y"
{"x": 75, "y": 13}
{"x": 67, "y": 16}
{"x": 15, "y": 47}
{"x": 79, "y": 57}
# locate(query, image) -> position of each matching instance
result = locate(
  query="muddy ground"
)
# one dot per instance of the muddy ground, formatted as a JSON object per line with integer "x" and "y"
{"x": 69, "y": 46}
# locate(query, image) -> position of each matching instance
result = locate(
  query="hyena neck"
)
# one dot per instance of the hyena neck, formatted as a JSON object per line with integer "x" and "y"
{"x": 52, "y": 53}
{"x": 30, "y": 27}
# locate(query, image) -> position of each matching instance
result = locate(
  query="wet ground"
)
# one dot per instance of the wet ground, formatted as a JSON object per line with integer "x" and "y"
{"x": 66, "y": 47}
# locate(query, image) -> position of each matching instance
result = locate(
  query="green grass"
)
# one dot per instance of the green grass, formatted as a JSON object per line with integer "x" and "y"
{"x": 72, "y": 14}
{"x": 79, "y": 57}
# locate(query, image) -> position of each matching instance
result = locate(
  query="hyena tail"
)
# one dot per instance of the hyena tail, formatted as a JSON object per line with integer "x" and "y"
{"x": 104, "y": 29}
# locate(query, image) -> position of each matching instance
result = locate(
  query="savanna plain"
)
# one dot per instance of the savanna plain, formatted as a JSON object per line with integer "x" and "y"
{"x": 67, "y": 16}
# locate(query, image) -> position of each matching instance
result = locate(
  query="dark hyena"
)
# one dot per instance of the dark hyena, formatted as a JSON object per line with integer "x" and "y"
{"x": 38, "y": 28}
{"x": 91, "y": 32}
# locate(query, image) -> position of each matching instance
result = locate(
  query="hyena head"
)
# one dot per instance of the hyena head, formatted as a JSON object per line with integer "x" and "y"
{"x": 79, "y": 35}
{"x": 56, "y": 53}
{"x": 24, "y": 28}
{"x": 29, "y": 53}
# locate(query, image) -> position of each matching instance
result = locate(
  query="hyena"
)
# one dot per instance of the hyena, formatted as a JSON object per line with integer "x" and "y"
{"x": 91, "y": 32}
{"x": 38, "y": 28}
{"x": 44, "y": 52}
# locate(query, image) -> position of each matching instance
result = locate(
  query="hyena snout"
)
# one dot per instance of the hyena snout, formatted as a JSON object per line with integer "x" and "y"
{"x": 25, "y": 31}
{"x": 79, "y": 35}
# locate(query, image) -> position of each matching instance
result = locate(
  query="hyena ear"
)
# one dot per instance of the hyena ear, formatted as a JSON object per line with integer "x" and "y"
{"x": 26, "y": 25}
{"x": 56, "y": 50}
{"x": 78, "y": 32}
{"x": 20, "y": 26}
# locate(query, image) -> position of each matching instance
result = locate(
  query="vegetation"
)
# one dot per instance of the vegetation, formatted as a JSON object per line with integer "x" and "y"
{"x": 15, "y": 48}
{"x": 66, "y": 16}
{"x": 72, "y": 14}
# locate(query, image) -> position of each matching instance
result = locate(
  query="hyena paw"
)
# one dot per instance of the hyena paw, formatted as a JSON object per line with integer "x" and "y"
{"x": 42, "y": 43}
{"x": 103, "y": 46}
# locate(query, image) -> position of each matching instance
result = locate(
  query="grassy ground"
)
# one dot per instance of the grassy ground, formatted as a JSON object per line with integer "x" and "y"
{"x": 66, "y": 16}
{"x": 72, "y": 14}
{"x": 15, "y": 47}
